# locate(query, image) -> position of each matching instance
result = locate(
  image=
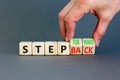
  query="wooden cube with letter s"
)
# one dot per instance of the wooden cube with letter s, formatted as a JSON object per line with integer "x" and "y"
{"x": 25, "y": 48}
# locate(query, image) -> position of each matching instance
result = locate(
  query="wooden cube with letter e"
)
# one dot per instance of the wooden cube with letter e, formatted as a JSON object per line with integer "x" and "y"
{"x": 50, "y": 48}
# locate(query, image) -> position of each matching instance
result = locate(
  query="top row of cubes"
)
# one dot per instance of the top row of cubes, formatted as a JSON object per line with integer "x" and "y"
{"x": 75, "y": 47}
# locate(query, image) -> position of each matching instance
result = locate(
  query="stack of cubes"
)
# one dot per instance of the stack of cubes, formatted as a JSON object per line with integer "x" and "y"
{"x": 75, "y": 47}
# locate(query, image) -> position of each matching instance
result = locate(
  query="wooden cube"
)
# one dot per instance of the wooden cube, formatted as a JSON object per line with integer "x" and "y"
{"x": 38, "y": 48}
{"x": 25, "y": 48}
{"x": 63, "y": 48}
{"x": 76, "y": 46}
{"x": 88, "y": 46}
{"x": 50, "y": 48}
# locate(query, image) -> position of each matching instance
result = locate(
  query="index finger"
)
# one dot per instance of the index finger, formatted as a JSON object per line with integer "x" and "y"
{"x": 75, "y": 14}
{"x": 62, "y": 14}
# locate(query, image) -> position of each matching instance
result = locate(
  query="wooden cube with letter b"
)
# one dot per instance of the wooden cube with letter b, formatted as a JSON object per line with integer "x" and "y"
{"x": 76, "y": 46}
{"x": 88, "y": 46}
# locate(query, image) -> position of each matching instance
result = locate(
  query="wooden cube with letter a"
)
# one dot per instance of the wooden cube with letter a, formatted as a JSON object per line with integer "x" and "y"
{"x": 88, "y": 46}
{"x": 76, "y": 46}
{"x": 50, "y": 48}
{"x": 63, "y": 48}
{"x": 25, "y": 48}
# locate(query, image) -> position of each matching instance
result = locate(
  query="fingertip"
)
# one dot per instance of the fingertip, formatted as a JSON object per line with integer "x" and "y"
{"x": 96, "y": 39}
{"x": 66, "y": 39}
{"x": 97, "y": 42}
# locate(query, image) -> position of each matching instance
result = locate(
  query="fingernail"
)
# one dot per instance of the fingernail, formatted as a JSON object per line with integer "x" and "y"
{"x": 66, "y": 39}
{"x": 98, "y": 43}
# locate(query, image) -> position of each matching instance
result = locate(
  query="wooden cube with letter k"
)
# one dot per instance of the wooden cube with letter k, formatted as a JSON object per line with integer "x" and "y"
{"x": 88, "y": 46}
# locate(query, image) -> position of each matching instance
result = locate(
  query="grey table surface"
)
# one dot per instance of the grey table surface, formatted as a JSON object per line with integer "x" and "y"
{"x": 96, "y": 67}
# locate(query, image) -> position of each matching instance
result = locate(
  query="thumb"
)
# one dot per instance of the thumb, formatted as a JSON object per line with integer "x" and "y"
{"x": 100, "y": 30}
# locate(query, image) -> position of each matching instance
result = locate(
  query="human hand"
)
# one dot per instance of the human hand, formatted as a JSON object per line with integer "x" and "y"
{"x": 104, "y": 10}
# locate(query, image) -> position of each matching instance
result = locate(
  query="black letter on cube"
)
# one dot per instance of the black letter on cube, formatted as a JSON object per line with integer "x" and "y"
{"x": 63, "y": 48}
{"x": 50, "y": 49}
{"x": 25, "y": 49}
{"x": 38, "y": 48}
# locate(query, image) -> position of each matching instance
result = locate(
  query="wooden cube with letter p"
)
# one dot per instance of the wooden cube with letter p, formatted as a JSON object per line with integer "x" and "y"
{"x": 76, "y": 46}
{"x": 63, "y": 48}
{"x": 51, "y": 48}
{"x": 88, "y": 46}
{"x": 25, "y": 48}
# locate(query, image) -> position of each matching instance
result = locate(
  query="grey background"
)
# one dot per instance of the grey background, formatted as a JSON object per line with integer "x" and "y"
{"x": 36, "y": 20}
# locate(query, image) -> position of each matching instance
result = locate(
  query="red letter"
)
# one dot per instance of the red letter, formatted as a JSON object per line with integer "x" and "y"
{"x": 72, "y": 49}
{"x": 78, "y": 50}
{"x": 90, "y": 49}
{"x": 86, "y": 50}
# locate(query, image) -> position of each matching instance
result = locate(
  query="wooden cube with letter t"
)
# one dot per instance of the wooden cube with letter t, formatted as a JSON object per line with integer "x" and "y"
{"x": 38, "y": 48}
{"x": 88, "y": 46}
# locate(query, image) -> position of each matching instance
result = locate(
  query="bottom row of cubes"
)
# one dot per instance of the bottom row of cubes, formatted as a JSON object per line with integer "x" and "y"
{"x": 75, "y": 47}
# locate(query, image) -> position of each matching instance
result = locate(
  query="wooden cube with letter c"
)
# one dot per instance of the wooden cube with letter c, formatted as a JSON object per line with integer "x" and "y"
{"x": 88, "y": 46}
